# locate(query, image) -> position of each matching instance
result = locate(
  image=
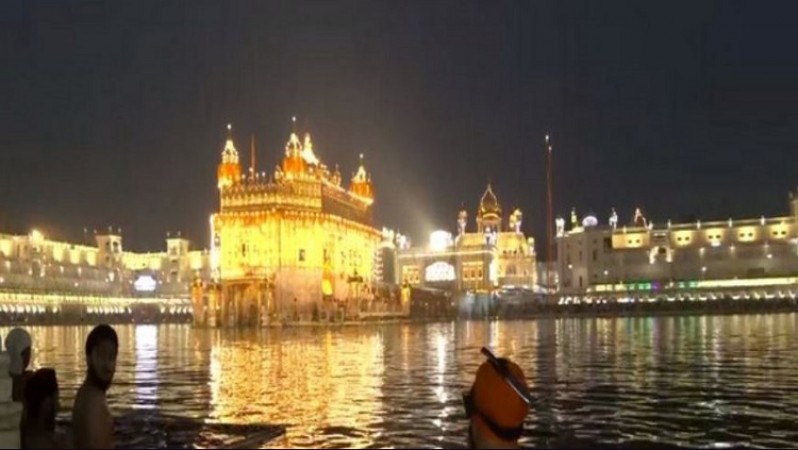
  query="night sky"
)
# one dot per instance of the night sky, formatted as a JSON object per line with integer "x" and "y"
{"x": 114, "y": 113}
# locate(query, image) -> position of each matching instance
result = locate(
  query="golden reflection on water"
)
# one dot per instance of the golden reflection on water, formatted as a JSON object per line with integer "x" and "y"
{"x": 305, "y": 382}
{"x": 679, "y": 380}
{"x": 145, "y": 374}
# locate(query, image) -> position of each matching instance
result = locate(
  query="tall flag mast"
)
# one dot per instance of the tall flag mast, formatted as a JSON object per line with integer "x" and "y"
{"x": 550, "y": 250}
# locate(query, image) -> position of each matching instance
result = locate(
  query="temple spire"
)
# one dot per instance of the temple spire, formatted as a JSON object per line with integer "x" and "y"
{"x": 230, "y": 154}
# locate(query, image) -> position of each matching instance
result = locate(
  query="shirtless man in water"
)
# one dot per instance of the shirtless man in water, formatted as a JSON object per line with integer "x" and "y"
{"x": 92, "y": 424}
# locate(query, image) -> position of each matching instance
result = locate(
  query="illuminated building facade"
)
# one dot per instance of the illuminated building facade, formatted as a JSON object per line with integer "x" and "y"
{"x": 290, "y": 245}
{"x": 386, "y": 271}
{"x": 644, "y": 258}
{"x": 40, "y": 274}
{"x": 473, "y": 262}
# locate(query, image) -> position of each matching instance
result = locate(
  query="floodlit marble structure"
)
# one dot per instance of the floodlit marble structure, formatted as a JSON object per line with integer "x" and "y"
{"x": 641, "y": 258}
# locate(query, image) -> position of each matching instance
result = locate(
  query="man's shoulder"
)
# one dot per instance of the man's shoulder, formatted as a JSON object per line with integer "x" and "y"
{"x": 88, "y": 400}
{"x": 91, "y": 419}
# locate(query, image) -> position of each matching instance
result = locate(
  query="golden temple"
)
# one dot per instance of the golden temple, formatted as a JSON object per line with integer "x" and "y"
{"x": 287, "y": 247}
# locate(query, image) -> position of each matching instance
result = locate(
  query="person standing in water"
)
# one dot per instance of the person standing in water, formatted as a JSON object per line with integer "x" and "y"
{"x": 41, "y": 406}
{"x": 92, "y": 423}
{"x": 18, "y": 345}
{"x": 497, "y": 404}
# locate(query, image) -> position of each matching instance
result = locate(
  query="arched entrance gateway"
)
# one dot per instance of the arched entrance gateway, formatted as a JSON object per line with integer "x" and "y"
{"x": 246, "y": 302}
{"x": 249, "y": 311}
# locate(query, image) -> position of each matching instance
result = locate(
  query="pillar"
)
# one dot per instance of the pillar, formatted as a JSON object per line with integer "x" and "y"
{"x": 224, "y": 318}
{"x": 261, "y": 292}
{"x": 269, "y": 308}
{"x": 404, "y": 299}
{"x": 213, "y": 305}
{"x": 198, "y": 304}
{"x": 234, "y": 313}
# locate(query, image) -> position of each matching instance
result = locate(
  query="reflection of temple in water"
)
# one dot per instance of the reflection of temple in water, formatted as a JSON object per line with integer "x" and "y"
{"x": 312, "y": 381}
{"x": 145, "y": 372}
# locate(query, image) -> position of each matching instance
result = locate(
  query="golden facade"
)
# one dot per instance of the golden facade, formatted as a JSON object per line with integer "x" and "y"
{"x": 39, "y": 274}
{"x": 493, "y": 256}
{"x": 290, "y": 246}
{"x": 674, "y": 256}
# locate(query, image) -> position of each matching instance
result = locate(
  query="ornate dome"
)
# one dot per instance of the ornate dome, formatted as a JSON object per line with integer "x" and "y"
{"x": 229, "y": 154}
{"x": 293, "y": 162}
{"x": 639, "y": 219}
{"x": 361, "y": 183}
{"x": 489, "y": 204}
{"x": 228, "y": 172}
{"x": 307, "y": 152}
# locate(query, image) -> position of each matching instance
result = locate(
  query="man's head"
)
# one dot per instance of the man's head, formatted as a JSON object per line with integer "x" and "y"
{"x": 41, "y": 399}
{"x": 101, "y": 349}
{"x": 18, "y": 344}
{"x": 496, "y": 410}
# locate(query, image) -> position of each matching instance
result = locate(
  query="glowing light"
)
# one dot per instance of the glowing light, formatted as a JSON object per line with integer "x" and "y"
{"x": 36, "y": 235}
{"x": 440, "y": 240}
{"x": 589, "y": 221}
{"x": 326, "y": 287}
{"x": 146, "y": 366}
{"x": 493, "y": 273}
{"x": 560, "y": 225}
{"x": 703, "y": 284}
{"x": 439, "y": 271}
{"x": 145, "y": 283}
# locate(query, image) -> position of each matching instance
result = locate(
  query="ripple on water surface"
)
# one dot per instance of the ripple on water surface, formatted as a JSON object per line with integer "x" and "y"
{"x": 632, "y": 382}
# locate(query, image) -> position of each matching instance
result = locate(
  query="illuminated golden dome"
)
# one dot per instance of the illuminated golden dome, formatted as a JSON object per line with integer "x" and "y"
{"x": 229, "y": 171}
{"x": 307, "y": 152}
{"x": 293, "y": 162}
{"x": 489, "y": 204}
{"x": 361, "y": 183}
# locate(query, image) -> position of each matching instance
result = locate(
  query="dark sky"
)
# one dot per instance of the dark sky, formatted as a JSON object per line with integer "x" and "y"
{"x": 114, "y": 113}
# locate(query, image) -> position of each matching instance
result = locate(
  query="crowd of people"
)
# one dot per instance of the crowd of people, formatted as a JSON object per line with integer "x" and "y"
{"x": 496, "y": 405}
{"x": 92, "y": 423}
